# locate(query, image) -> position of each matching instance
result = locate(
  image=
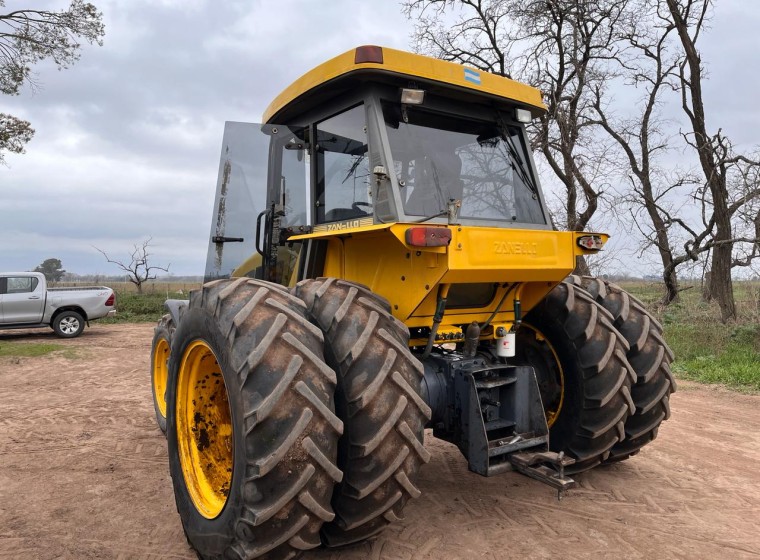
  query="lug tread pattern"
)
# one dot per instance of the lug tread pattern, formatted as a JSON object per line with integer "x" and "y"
{"x": 606, "y": 375}
{"x": 650, "y": 357}
{"x": 164, "y": 329}
{"x": 291, "y": 429}
{"x": 384, "y": 416}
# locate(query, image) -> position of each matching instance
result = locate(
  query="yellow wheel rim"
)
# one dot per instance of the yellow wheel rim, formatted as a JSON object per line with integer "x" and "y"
{"x": 552, "y": 409}
{"x": 204, "y": 429}
{"x": 161, "y": 373}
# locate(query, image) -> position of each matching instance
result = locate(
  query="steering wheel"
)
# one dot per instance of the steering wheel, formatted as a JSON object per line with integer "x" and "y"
{"x": 355, "y": 206}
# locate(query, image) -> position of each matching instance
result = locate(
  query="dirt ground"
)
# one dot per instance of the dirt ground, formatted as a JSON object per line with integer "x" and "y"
{"x": 84, "y": 474}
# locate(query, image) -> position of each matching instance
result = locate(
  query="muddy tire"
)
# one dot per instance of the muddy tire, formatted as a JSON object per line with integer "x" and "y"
{"x": 650, "y": 358}
{"x": 159, "y": 370}
{"x": 571, "y": 332}
{"x": 378, "y": 399}
{"x": 252, "y": 433}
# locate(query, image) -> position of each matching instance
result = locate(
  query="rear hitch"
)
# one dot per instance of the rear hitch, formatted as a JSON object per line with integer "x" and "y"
{"x": 545, "y": 466}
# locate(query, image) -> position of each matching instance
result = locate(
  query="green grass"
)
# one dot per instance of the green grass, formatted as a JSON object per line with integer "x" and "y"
{"x": 706, "y": 350}
{"x": 32, "y": 350}
{"x": 135, "y": 308}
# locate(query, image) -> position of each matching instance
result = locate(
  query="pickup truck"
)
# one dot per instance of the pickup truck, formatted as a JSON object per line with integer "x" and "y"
{"x": 26, "y": 302}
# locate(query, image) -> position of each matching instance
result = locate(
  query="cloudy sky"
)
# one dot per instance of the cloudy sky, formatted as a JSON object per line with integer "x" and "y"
{"x": 128, "y": 140}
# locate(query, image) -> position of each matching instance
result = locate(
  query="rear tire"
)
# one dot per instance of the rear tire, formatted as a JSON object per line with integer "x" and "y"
{"x": 159, "y": 371}
{"x": 650, "y": 358}
{"x": 378, "y": 399}
{"x": 576, "y": 333}
{"x": 68, "y": 324}
{"x": 254, "y": 478}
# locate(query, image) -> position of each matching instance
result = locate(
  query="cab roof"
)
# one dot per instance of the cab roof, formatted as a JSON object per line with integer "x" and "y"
{"x": 382, "y": 64}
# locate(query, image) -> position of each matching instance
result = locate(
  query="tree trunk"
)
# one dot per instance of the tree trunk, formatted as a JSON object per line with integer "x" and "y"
{"x": 581, "y": 266}
{"x": 721, "y": 284}
{"x": 670, "y": 278}
{"x": 707, "y": 295}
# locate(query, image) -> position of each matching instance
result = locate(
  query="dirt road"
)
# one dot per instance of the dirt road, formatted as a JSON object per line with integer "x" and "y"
{"x": 84, "y": 474}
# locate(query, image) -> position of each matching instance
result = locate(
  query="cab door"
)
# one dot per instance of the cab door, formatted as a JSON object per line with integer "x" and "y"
{"x": 261, "y": 195}
{"x": 22, "y": 299}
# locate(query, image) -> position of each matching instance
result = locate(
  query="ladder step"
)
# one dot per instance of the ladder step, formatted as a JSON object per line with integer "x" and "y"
{"x": 494, "y": 382}
{"x": 498, "y": 424}
{"x": 494, "y": 449}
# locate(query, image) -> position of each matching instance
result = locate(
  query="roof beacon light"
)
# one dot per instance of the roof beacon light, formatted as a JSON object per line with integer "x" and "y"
{"x": 412, "y": 96}
{"x": 523, "y": 116}
{"x": 368, "y": 54}
{"x": 591, "y": 242}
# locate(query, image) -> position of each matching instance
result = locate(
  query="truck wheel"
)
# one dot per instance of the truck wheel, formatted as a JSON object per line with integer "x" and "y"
{"x": 583, "y": 373}
{"x": 68, "y": 324}
{"x": 378, "y": 399}
{"x": 252, "y": 433}
{"x": 159, "y": 360}
{"x": 650, "y": 358}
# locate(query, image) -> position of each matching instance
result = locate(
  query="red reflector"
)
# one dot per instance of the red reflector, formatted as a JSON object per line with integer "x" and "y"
{"x": 368, "y": 53}
{"x": 111, "y": 299}
{"x": 428, "y": 236}
{"x": 591, "y": 242}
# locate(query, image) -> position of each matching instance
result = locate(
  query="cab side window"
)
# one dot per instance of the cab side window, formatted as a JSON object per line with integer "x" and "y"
{"x": 343, "y": 185}
{"x": 21, "y": 285}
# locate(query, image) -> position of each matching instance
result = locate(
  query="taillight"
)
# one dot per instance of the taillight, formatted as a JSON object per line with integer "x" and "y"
{"x": 428, "y": 236}
{"x": 591, "y": 242}
{"x": 111, "y": 299}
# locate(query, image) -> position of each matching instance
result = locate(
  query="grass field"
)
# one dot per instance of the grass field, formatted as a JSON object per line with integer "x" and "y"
{"x": 10, "y": 349}
{"x": 706, "y": 350}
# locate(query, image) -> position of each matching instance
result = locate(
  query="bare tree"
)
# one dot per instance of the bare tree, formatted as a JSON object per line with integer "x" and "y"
{"x": 716, "y": 156}
{"x": 648, "y": 64}
{"x": 559, "y": 46}
{"x": 30, "y": 36}
{"x": 138, "y": 269}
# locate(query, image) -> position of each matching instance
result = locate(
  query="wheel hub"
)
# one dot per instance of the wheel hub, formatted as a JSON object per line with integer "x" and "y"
{"x": 204, "y": 429}
{"x": 536, "y": 351}
{"x": 69, "y": 325}
{"x": 161, "y": 373}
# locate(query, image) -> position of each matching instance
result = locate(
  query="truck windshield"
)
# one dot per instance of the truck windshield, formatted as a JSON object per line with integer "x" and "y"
{"x": 440, "y": 157}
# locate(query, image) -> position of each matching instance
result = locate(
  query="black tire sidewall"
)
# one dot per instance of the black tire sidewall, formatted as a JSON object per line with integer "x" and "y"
{"x": 567, "y": 422}
{"x": 162, "y": 332}
{"x": 62, "y": 315}
{"x": 209, "y": 536}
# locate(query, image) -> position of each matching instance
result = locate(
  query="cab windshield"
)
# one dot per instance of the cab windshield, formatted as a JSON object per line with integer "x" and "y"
{"x": 438, "y": 158}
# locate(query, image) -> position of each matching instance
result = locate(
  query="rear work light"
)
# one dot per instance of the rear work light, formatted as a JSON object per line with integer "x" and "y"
{"x": 111, "y": 299}
{"x": 591, "y": 242}
{"x": 428, "y": 236}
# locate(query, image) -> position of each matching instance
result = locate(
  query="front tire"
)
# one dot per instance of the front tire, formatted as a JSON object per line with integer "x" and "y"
{"x": 378, "y": 399}
{"x": 68, "y": 324}
{"x": 159, "y": 372}
{"x": 252, "y": 433}
{"x": 583, "y": 373}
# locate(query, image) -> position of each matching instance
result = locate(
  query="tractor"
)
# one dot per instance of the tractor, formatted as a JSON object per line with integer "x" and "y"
{"x": 381, "y": 261}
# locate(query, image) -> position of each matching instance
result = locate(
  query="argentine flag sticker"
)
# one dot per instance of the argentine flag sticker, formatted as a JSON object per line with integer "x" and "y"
{"x": 471, "y": 75}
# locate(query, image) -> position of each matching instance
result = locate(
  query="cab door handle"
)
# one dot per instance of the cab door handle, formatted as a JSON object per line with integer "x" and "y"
{"x": 34, "y": 297}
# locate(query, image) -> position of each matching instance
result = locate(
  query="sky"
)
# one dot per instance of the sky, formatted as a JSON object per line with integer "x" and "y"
{"x": 128, "y": 140}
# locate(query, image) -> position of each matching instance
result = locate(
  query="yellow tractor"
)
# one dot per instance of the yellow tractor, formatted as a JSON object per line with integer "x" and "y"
{"x": 381, "y": 261}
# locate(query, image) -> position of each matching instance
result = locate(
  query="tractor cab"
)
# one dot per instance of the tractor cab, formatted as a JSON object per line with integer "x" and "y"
{"x": 406, "y": 174}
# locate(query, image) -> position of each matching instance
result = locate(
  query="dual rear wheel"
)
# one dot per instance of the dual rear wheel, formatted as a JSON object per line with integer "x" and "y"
{"x": 295, "y": 420}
